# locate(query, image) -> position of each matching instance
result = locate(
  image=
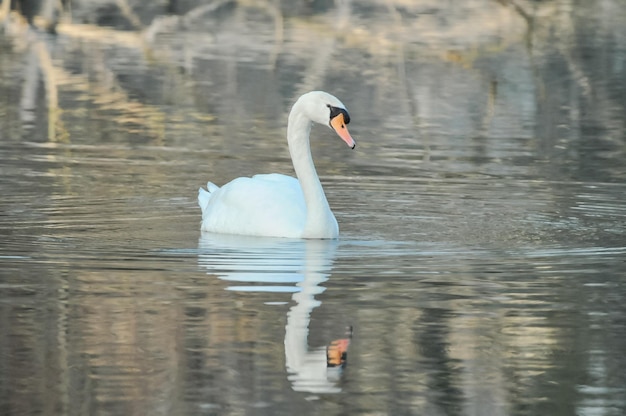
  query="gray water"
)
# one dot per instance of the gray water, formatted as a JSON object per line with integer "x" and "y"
{"x": 482, "y": 215}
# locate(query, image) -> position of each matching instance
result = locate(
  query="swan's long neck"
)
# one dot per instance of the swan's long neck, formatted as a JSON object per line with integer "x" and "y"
{"x": 320, "y": 220}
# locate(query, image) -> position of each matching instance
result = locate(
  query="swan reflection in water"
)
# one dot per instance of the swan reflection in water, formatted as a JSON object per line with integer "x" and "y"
{"x": 275, "y": 265}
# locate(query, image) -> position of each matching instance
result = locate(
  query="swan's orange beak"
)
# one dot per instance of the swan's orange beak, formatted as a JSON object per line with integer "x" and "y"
{"x": 337, "y": 123}
{"x": 337, "y": 351}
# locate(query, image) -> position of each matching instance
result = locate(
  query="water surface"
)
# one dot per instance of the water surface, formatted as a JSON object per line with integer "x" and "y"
{"x": 482, "y": 215}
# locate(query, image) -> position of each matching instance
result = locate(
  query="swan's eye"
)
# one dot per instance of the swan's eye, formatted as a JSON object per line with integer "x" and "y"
{"x": 335, "y": 111}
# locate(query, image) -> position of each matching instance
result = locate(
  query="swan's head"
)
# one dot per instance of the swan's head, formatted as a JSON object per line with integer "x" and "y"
{"x": 324, "y": 108}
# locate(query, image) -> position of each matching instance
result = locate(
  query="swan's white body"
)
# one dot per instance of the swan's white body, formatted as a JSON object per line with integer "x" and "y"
{"x": 276, "y": 205}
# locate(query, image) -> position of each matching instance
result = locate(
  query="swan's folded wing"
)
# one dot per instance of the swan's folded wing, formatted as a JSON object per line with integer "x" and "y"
{"x": 268, "y": 205}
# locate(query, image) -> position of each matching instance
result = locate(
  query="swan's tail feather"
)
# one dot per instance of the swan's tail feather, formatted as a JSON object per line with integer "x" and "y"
{"x": 212, "y": 187}
{"x": 204, "y": 195}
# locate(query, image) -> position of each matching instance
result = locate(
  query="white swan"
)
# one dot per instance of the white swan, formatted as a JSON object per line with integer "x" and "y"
{"x": 276, "y": 205}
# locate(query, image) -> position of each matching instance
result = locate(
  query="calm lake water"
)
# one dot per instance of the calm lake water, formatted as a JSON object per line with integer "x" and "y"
{"x": 482, "y": 255}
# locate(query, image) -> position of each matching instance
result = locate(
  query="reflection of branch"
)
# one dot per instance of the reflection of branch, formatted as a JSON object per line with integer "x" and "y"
{"x": 578, "y": 74}
{"x": 207, "y": 8}
{"x": 5, "y": 8}
{"x": 315, "y": 74}
{"x": 47, "y": 69}
{"x": 48, "y": 11}
{"x": 530, "y": 20}
{"x": 279, "y": 30}
{"x": 109, "y": 96}
{"x": 317, "y": 69}
{"x": 172, "y": 23}
{"x": 128, "y": 13}
{"x": 402, "y": 62}
{"x": 47, "y": 19}
{"x": 406, "y": 87}
{"x": 490, "y": 109}
{"x": 38, "y": 63}
{"x": 28, "y": 101}
{"x": 101, "y": 35}
{"x": 519, "y": 9}
{"x": 168, "y": 23}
